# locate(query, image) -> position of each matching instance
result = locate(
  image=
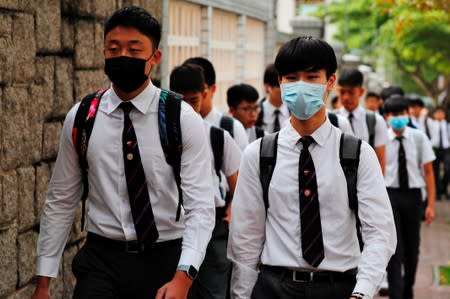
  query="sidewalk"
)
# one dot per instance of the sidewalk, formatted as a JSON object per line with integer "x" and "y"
{"x": 434, "y": 251}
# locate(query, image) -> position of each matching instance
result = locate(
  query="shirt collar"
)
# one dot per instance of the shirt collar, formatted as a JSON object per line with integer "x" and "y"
{"x": 321, "y": 135}
{"x": 406, "y": 133}
{"x": 357, "y": 113}
{"x": 143, "y": 102}
{"x": 271, "y": 108}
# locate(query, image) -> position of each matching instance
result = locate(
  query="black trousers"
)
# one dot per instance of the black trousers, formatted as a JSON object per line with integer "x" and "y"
{"x": 407, "y": 210}
{"x": 272, "y": 285}
{"x": 105, "y": 272}
{"x": 442, "y": 158}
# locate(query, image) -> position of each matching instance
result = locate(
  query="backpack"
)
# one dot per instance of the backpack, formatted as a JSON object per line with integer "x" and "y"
{"x": 333, "y": 119}
{"x": 349, "y": 151}
{"x": 260, "y": 120}
{"x": 371, "y": 122}
{"x": 169, "y": 109}
{"x": 226, "y": 123}
{"x": 259, "y": 132}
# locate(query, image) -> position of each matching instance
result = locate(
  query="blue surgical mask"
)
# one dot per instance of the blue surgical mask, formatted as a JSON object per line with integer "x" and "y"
{"x": 303, "y": 99}
{"x": 399, "y": 122}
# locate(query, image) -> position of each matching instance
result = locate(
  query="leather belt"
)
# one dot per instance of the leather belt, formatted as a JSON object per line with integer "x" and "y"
{"x": 312, "y": 276}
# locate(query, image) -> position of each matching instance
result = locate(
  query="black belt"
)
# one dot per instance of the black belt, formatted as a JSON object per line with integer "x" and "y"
{"x": 310, "y": 276}
{"x": 130, "y": 246}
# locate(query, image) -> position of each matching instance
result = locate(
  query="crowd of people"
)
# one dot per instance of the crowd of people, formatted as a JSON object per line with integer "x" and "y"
{"x": 279, "y": 198}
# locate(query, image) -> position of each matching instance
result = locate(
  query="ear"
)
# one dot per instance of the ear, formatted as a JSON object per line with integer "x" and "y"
{"x": 362, "y": 90}
{"x": 156, "y": 57}
{"x": 213, "y": 88}
{"x": 331, "y": 82}
{"x": 231, "y": 111}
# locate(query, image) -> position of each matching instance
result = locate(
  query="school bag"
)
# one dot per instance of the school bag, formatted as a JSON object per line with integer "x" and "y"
{"x": 226, "y": 123}
{"x": 169, "y": 108}
{"x": 349, "y": 150}
{"x": 371, "y": 122}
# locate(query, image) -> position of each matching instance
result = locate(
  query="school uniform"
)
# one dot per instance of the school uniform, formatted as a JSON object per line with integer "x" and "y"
{"x": 428, "y": 126}
{"x": 441, "y": 146}
{"x": 272, "y": 115}
{"x": 252, "y": 134}
{"x": 404, "y": 189}
{"x": 239, "y": 135}
{"x": 266, "y": 248}
{"x": 110, "y": 226}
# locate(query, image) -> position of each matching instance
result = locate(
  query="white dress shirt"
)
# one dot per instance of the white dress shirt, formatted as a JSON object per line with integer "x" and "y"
{"x": 423, "y": 122}
{"x": 239, "y": 134}
{"x": 274, "y": 239}
{"x": 109, "y": 213}
{"x": 251, "y": 134}
{"x": 360, "y": 129}
{"x": 415, "y": 171}
{"x": 269, "y": 115}
{"x": 442, "y": 126}
{"x": 230, "y": 163}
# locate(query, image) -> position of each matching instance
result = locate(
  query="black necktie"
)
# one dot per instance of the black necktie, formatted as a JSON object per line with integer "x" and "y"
{"x": 311, "y": 227}
{"x": 441, "y": 144}
{"x": 276, "y": 123}
{"x": 350, "y": 119}
{"x": 402, "y": 169}
{"x": 141, "y": 208}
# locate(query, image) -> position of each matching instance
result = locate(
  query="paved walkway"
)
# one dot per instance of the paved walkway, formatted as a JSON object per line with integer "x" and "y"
{"x": 434, "y": 251}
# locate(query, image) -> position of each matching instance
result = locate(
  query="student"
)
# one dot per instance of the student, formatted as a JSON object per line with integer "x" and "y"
{"x": 212, "y": 115}
{"x": 409, "y": 157}
{"x": 386, "y": 92}
{"x": 213, "y": 277}
{"x": 421, "y": 121}
{"x": 135, "y": 246}
{"x": 372, "y": 101}
{"x": 305, "y": 244}
{"x": 274, "y": 112}
{"x": 242, "y": 101}
{"x": 350, "y": 90}
{"x": 335, "y": 104}
{"x": 441, "y": 148}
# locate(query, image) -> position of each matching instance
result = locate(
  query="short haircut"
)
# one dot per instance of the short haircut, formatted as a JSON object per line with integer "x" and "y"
{"x": 238, "y": 93}
{"x": 208, "y": 69}
{"x": 439, "y": 108}
{"x": 334, "y": 100}
{"x": 351, "y": 77}
{"x": 135, "y": 17}
{"x": 306, "y": 53}
{"x": 187, "y": 78}
{"x": 395, "y": 104}
{"x": 415, "y": 100}
{"x": 271, "y": 76}
{"x": 372, "y": 94}
{"x": 391, "y": 90}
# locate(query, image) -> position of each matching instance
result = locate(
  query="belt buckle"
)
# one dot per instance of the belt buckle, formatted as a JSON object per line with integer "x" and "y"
{"x": 134, "y": 247}
{"x": 294, "y": 277}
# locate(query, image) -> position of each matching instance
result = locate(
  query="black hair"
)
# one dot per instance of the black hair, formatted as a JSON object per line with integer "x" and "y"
{"x": 391, "y": 90}
{"x": 395, "y": 104}
{"x": 208, "y": 69}
{"x": 334, "y": 100}
{"x": 238, "y": 93}
{"x": 271, "y": 76}
{"x": 352, "y": 77}
{"x": 372, "y": 94}
{"x": 305, "y": 53}
{"x": 415, "y": 100}
{"x": 187, "y": 78}
{"x": 138, "y": 18}
{"x": 440, "y": 108}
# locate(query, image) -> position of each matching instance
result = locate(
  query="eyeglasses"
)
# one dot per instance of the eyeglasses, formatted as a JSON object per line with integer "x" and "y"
{"x": 248, "y": 109}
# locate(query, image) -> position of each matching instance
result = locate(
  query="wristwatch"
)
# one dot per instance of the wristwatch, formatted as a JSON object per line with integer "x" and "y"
{"x": 360, "y": 295}
{"x": 190, "y": 271}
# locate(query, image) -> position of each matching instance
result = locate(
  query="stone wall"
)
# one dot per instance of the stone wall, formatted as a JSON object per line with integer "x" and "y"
{"x": 50, "y": 56}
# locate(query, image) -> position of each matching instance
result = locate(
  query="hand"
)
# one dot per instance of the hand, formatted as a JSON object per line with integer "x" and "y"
{"x": 42, "y": 288}
{"x": 429, "y": 215}
{"x": 177, "y": 288}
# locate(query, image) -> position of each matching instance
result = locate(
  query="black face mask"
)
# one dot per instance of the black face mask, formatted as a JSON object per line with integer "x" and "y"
{"x": 127, "y": 73}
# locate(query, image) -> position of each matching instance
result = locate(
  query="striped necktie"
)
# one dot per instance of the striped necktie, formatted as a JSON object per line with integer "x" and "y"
{"x": 141, "y": 208}
{"x": 311, "y": 227}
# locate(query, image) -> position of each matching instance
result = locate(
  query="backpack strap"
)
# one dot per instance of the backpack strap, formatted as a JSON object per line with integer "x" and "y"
{"x": 81, "y": 132}
{"x": 226, "y": 123}
{"x": 217, "y": 141}
{"x": 349, "y": 152}
{"x": 371, "y": 122}
{"x": 267, "y": 161}
{"x": 260, "y": 120}
{"x": 333, "y": 119}
{"x": 427, "y": 128}
{"x": 259, "y": 132}
{"x": 169, "y": 110}
{"x": 418, "y": 140}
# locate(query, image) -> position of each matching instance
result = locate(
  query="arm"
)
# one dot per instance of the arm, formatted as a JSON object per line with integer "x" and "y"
{"x": 380, "y": 155}
{"x": 42, "y": 288}
{"x": 232, "y": 179}
{"x": 431, "y": 192}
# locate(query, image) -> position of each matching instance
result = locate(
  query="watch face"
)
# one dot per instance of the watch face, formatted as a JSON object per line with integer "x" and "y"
{"x": 192, "y": 272}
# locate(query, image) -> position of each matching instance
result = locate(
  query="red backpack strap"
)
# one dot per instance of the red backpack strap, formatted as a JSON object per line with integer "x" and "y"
{"x": 81, "y": 132}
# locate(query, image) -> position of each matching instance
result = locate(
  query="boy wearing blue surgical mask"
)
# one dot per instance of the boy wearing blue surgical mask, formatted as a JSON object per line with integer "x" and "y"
{"x": 409, "y": 158}
{"x": 302, "y": 242}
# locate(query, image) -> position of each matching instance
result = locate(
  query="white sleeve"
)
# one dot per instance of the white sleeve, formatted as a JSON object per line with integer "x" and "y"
{"x": 231, "y": 155}
{"x": 344, "y": 125}
{"x": 239, "y": 134}
{"x": 381, "y": 128}
{"x": 427, "y": 150}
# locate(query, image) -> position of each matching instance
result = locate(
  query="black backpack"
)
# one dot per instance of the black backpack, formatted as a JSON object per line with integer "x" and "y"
{"x": 169, "y": 132}
{"x": 349, "y": 151}
{"x": 371, "y": 122}
{"x": 226, "y": 123}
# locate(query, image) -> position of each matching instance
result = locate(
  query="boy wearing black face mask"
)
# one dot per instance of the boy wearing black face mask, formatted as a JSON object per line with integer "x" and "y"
{"x": 301, "y": 240}
{"x": 409, "y": 168}
{"x": 135, "y": 248}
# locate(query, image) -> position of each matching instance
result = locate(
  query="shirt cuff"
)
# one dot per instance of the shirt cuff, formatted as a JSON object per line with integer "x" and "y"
{"x": 191, "y": 257}
{"x": 365, "y": 287}
{"x": 47, "y": 266}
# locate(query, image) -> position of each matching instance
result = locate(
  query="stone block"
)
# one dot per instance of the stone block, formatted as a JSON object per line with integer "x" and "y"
{"x": 68, "y": 277}
{"x": 67, "y": 35}
{"x": 26, "y": 181}
{"x": 87, "y": 81}
{"x": 103, "y": 9}
{"x": 42, "y": 92}
{"x": 85, "y": 44}
{"x": 98, "y": 42}
{"x": 8, "y": 260}
{"x": 43, "y": 174}
{"x": 64, "y": 87}
{"x": 52, "y": 132}
{"x": 23, "y": 5}
{"x": 152, "y": 6}
{"x": 27, "y": 256}
{"x": 8, "y": 198}
{"x": 6, "y": 59}
{"x": 24, "y": 48}
{"x": 5, "y": 25}
{"x": 22, "y": 293}
{"x": 48, "y": 26}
